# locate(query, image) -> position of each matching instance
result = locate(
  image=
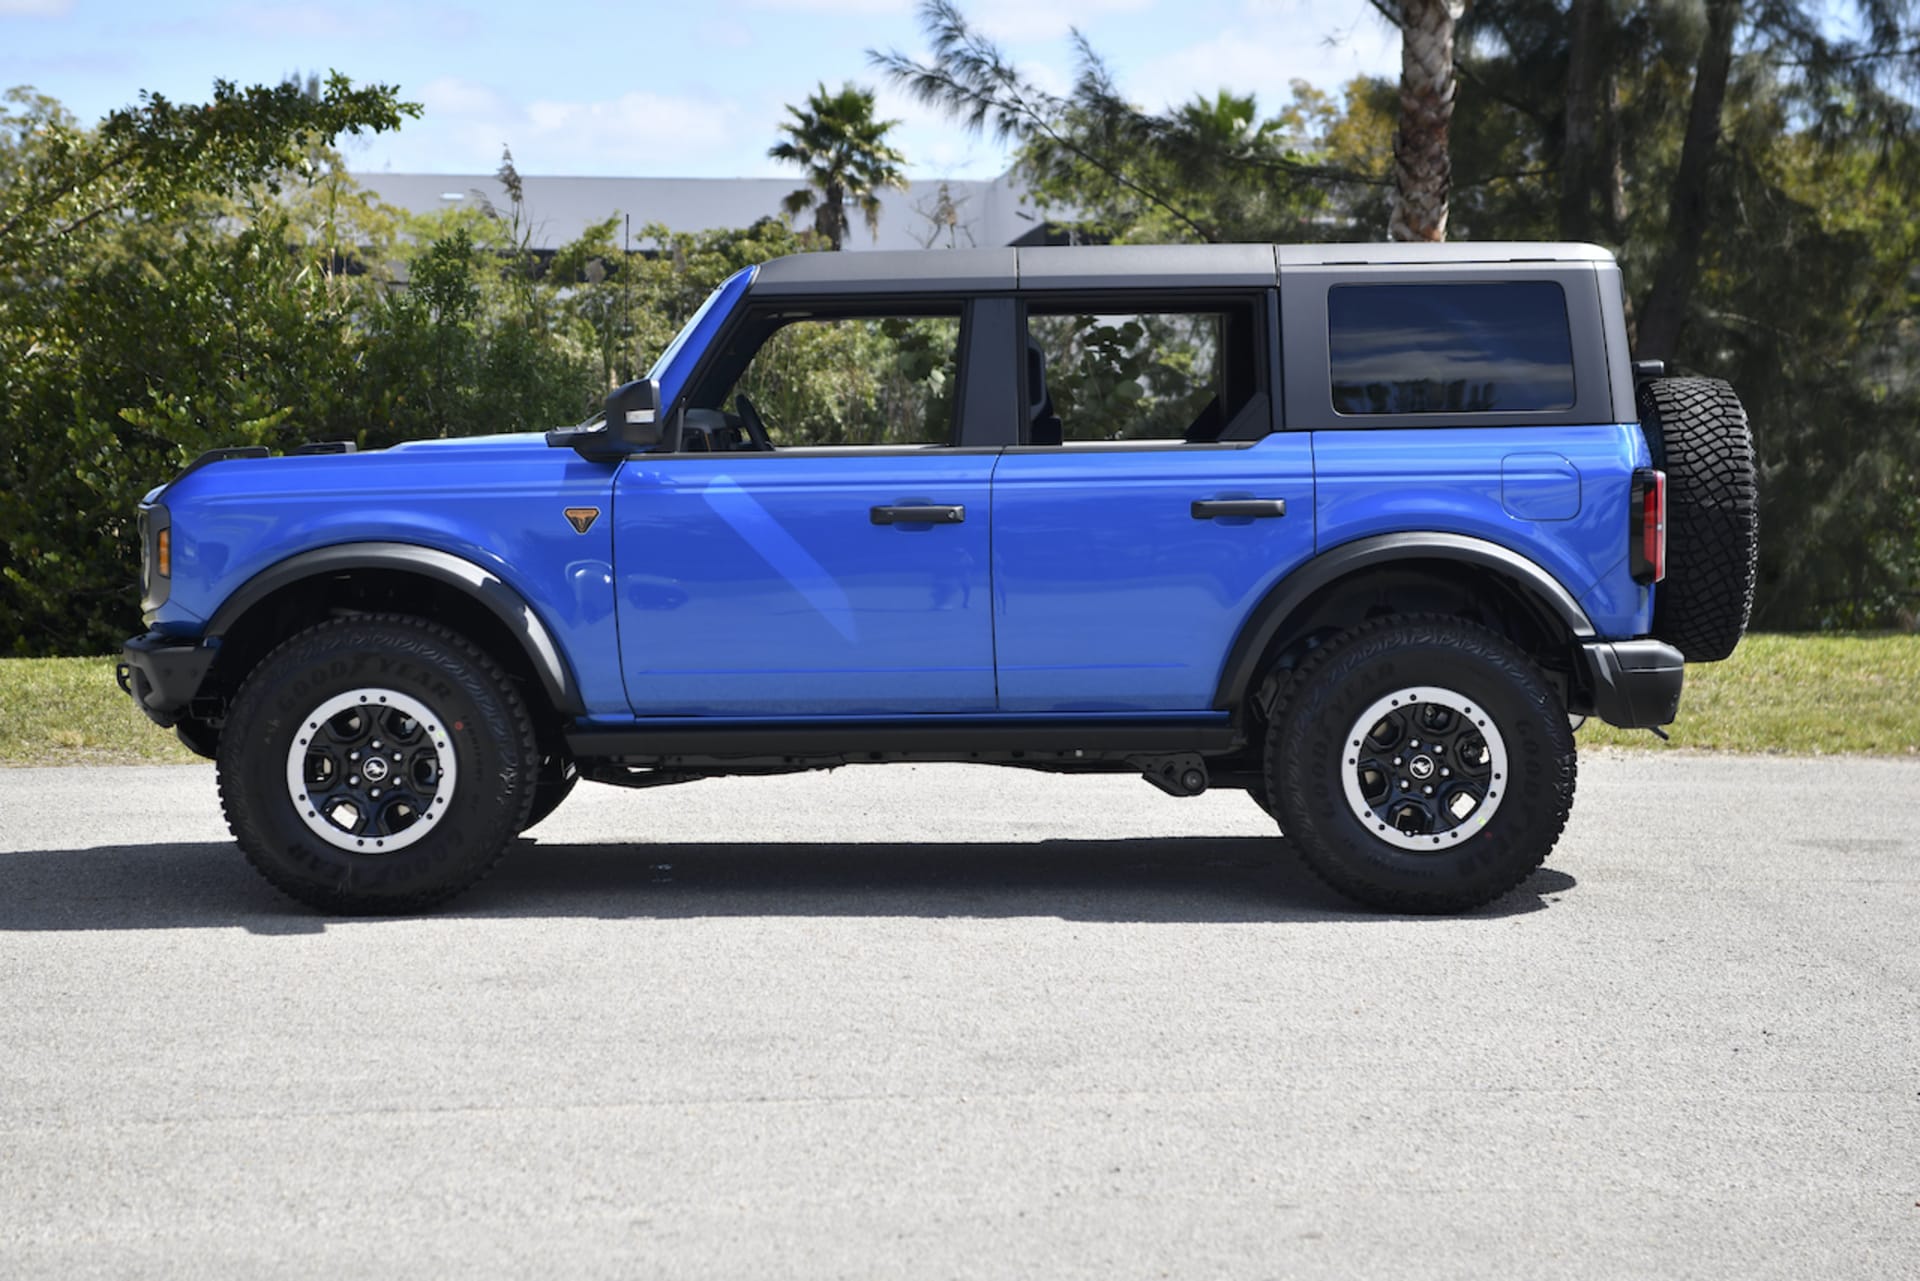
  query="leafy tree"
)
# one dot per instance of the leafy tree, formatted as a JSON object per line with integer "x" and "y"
{"x": 288, "y": 307}
{"x": 1209, "y": 170}
{"x": 60, "y": 180}
{"x": 1759, "y": 210}
{"x": 846, "y": 156}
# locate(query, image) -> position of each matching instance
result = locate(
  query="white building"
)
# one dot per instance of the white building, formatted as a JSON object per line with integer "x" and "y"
{"x": 935, "y": 213}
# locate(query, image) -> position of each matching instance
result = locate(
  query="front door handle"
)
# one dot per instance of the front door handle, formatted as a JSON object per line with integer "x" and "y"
{"x": 1210, "y": 508}
{"x": 932, "y": 514}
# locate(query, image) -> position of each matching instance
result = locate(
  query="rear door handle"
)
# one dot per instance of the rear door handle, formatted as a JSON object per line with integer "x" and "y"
{"x": 935, "y": 514}
{"x": 1210, "y": 508}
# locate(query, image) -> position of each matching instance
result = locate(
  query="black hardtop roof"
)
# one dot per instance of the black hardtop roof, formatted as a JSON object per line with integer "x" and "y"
{"x": 1122, "y": 266}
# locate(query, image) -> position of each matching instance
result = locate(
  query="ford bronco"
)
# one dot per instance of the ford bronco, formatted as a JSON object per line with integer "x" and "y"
{"x": 1360, "y": 530}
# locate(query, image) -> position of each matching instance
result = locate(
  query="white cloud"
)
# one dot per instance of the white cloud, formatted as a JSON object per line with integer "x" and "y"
{"x": 451, "y": 95}
{"x": 465, "y": 125}
{"x": 1272, "y": 44}
{"x": 289, "y": 21}
{"x": 35, "y": 8}
{"x": 840, "y": 8}
{"x": 1026, "y": 20}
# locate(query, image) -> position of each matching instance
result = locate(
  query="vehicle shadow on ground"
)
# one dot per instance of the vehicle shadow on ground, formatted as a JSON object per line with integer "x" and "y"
{"x": 1226, "y": 879}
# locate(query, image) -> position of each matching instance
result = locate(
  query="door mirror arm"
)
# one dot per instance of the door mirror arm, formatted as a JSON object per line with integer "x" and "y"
{"x": 632, "y": 426}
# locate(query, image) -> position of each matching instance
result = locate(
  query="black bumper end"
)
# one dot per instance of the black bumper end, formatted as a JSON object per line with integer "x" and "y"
{"x": 1633, "y": 684}
{"x": 163, "y": 675}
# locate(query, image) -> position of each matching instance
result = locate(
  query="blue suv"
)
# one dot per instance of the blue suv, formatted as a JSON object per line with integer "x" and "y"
{"x": 1358, "y": 530}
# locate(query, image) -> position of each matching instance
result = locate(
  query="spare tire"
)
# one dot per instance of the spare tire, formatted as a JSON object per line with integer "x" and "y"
{"x": 1699, "y": 436}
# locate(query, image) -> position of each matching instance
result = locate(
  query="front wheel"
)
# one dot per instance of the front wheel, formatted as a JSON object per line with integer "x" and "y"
{"x": 553, "y": 783}
{"x": 1421, "y": 765}
{"x": 376, "y": 764}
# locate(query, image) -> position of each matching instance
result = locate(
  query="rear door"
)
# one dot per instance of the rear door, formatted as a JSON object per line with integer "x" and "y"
{"x": 1150, "y": 506}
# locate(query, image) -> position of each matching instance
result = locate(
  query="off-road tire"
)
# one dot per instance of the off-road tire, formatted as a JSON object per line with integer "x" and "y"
{"x": 1307, "y": 752}
{"x": 1700, "y": 437}
{"x": 553, "y": 783}
{"x": 483, "y": 727}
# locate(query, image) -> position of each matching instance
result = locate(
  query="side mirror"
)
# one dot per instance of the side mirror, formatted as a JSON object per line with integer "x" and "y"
{"x": 633, "y": 416}
{"x": 632, "y": 425}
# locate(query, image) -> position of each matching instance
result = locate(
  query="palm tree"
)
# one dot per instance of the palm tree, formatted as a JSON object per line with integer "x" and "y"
{"x": 845, "y": 154}
{"x": 1422, "y": 165}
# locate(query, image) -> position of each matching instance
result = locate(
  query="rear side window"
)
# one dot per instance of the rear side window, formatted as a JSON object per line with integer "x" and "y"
{"x": 1460, "y": 348}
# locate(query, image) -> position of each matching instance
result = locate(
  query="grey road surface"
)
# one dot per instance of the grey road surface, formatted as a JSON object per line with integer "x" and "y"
{"x": 927, "y": 1022}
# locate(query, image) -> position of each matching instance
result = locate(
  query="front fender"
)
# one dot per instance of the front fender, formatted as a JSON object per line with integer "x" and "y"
{"x": 478, "y": 583}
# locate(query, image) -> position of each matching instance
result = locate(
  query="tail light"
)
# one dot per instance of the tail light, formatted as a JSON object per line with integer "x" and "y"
{"x": 1647, "y": 531}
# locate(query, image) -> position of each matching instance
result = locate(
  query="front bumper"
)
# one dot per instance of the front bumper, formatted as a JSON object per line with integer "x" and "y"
{"x": 163, "y": 675}
{"x": 1634, "y": 684}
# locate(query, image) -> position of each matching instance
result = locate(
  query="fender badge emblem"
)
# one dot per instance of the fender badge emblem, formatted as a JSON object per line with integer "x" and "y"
{"x": 582, "y": 518}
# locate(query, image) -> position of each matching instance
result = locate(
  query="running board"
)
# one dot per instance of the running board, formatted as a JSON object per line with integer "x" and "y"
{"x": 691, "y": 742}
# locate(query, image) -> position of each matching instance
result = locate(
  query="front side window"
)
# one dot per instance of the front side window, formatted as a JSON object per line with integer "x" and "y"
{"x": 1449, "y": 348}
{"x": 851, "y": 380}
{"x": 1137, "y": 375}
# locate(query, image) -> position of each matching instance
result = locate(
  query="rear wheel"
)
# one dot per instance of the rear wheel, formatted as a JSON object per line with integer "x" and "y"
{"x": 1421, "y": 765}
{"x": 376, "y": 763}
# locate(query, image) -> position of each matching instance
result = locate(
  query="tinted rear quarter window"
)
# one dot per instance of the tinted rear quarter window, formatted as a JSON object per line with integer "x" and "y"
{"x": 1449, "y": 348}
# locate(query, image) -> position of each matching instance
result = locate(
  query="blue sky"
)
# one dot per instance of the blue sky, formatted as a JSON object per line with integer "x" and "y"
{"x": 694, "y": 88}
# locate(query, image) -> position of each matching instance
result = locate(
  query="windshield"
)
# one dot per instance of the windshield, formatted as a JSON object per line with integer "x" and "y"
{"x": 672, "y": 369}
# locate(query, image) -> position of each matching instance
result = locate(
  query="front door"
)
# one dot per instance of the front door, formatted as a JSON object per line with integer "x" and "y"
{"x": 818, "y": 547}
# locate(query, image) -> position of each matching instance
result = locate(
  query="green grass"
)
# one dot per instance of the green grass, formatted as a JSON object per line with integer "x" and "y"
{"x": 1803, "y": 695}
{"x": 69, "y": 711}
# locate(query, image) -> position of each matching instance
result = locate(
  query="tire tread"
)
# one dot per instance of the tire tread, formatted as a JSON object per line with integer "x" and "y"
{"x": 333, "y": 634}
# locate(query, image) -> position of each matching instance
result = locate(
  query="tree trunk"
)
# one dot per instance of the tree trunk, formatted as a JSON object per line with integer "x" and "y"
{"x": 1616, "y": 158}
{"x": 830, "y": 219}
{"x": 1422, "y": 168}
{"x": 1585, "y": 58}
{"x": 1667, "y": 303}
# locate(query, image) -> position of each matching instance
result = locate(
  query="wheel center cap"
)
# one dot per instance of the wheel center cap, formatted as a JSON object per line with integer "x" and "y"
{"x": 376, "y": 769}
{"x": 1421, "y": 767}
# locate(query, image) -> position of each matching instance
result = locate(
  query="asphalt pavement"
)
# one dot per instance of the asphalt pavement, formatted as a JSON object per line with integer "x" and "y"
{"x": 950, "y": 1021}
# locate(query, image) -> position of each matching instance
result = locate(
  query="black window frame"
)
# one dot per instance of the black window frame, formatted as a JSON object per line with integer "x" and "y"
{"x": 985, "y": 323}
{"x": 1260, "y": 303}
{"x": 1306, "y": 350}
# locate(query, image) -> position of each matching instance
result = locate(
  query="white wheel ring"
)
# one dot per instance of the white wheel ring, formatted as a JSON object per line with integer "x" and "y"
{"x": 1352, "y": 752}
{"x": 375, "y": 700}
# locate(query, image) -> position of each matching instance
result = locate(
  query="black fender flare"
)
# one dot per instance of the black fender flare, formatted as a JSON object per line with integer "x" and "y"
{"x": 475, "y": 581}
{"x": 1293, "y": 591}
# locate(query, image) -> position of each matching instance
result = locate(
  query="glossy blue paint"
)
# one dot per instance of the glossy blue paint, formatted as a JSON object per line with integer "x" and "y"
{"x": 1451, "y": 480}
{"x": 1539, "y": 486}
{"x": 676, "y": 363}
{"x": 1109, "y": 595}
{"x": 757, "y": 584}
{"x": 497, "y": 501}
